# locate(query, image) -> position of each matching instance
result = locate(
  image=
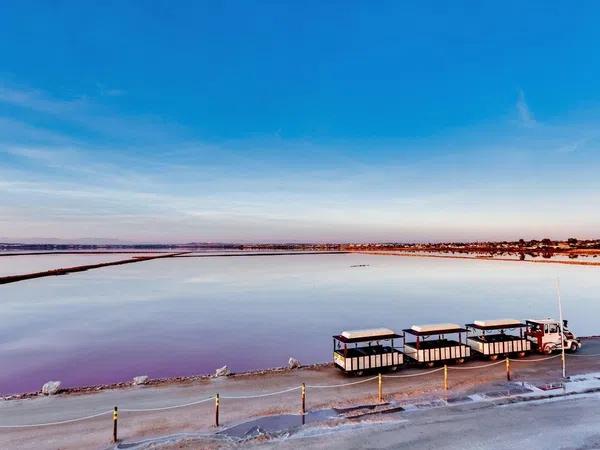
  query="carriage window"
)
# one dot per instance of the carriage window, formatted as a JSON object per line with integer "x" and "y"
{"x": 553, "y": 329}
{"x": 546, "y": 329}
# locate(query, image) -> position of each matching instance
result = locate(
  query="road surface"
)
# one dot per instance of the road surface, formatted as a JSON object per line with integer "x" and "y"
{"x": 567, "y": 423}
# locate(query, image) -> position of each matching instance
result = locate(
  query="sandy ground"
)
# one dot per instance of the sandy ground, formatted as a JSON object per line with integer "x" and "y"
{"x": 135, "y": 426}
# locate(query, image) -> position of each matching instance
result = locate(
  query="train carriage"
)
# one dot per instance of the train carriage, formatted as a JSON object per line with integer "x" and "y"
{"x": 492, "y": 338}
{"x": 358, "y": 351}
{"x": 431, "y": 345}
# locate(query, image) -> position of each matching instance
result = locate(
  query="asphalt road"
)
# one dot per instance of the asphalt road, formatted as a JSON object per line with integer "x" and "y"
{"x": 565, "y": 423}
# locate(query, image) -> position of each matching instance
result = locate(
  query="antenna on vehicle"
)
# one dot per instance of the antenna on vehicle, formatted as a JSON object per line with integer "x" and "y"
{"x": 562, "y": 333}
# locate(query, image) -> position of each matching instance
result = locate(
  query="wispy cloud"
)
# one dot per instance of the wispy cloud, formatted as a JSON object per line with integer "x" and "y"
{"x": 572, "y": 146}
{"x": 89, "y": 117}
{"x": 525, "y": 115}
{"x": 43, "y": 155}
{"x": 109, "y": 91}
{"x": 38, "y": 101}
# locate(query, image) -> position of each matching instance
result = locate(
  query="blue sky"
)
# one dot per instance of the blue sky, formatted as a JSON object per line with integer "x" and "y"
{"x": 299, "y": 121}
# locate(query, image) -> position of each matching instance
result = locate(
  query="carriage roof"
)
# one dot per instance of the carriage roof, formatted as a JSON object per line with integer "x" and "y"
{"x": 371, "y": 334}
{"x": 496, "y": 324}
{"x": 548, "y": 320}
{"x": 436, "y": 328}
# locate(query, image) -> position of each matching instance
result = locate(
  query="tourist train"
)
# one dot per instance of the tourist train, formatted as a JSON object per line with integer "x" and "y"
{"x": 358, "y": 351}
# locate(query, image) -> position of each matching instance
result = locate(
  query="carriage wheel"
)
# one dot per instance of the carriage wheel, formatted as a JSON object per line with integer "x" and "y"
{"x": 359, "y": 373}
{"x": 521, "y": 354}
{"x": 460, "y": 360}
{"x": 429, "y": 364}
{"x": 547, "y": 349}
{"x": 574, "y": 347}
{"x": 493, "y": 357}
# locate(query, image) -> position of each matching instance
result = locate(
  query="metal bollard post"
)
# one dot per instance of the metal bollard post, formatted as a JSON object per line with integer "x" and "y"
{"x": 216, "y": 410}
{"x": 115, "y": 420}
{"x": 303, "y": 399}
{"x": 445, "y": 377}
{"x": 380, "y": 389}
{"x": 508, "y": 368}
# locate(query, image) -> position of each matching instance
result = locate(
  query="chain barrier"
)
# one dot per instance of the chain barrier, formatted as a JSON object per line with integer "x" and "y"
{"x": 303, "y": 387}
{"x": 62, "y": 422}
{"x": 165, "y": 408}
{"x": 583, "y": 356}
{"x": 340, "y": 385}
{"x": 502, "y": 361}
{"x": 535, "y": 360}
{"x": 413, "y": 374}
{"x": 240, "y": 397}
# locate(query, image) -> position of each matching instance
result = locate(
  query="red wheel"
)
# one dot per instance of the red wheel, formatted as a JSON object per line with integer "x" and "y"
{"x": 548, "y": 349}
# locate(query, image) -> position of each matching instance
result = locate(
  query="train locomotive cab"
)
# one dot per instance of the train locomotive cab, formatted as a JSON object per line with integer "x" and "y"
{"x": 545, "y": 336}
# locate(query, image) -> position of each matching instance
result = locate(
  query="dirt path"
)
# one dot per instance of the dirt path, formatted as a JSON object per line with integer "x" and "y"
{"x": 96, "y": 432}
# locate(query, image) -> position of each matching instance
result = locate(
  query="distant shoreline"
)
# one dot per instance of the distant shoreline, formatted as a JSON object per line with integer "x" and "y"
{"x": 150, "y": 255}
{"x": 533, "y": 247}
{"x": 481, "y": 257}
{"x": 84, "y": 252}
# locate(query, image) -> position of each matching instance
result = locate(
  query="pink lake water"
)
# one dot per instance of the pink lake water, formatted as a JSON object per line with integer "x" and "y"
{"x": 186, "y": 316}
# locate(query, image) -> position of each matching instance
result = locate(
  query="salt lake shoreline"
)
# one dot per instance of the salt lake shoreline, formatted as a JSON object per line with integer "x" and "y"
{"x": 184, "y": 379}
{"x": 181, "y": 380}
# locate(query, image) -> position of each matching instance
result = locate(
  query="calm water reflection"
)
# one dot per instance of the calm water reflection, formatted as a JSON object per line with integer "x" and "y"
{"x": 191, "y": 315}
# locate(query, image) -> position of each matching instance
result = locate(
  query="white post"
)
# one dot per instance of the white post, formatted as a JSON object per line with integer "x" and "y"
{"x": 562, "y": 335}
